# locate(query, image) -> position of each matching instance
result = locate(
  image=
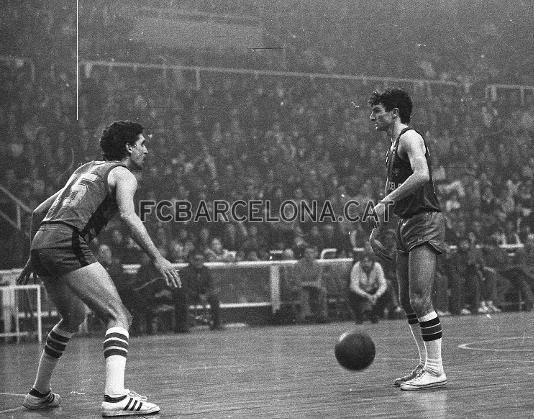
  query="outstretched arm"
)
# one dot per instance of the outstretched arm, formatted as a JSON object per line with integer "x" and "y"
{"x": 125, "y": 185}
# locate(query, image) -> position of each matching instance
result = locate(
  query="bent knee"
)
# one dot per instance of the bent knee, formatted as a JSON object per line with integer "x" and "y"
{"x": 119, "y": 314}
{"x": 71, "y": 321}
{"x": 420, "y": 304}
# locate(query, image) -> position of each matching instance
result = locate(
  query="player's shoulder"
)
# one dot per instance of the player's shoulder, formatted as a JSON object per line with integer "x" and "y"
{"x": 410, "y": 135}
{"x": 411, "y": 139}
{"x": 121, "y": 174}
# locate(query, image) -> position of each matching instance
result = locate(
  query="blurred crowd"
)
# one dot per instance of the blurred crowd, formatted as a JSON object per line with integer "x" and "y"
{"x": 250, "y": 137}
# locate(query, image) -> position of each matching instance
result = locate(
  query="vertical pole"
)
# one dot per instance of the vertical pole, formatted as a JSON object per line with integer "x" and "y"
{"x": 275, "y": 287}
{"x": 39, "y": 315}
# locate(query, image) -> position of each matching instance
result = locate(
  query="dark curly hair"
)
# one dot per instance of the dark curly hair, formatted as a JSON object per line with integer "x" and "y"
{"x": 116, "y": 136}
{"x": 394, "y": 98}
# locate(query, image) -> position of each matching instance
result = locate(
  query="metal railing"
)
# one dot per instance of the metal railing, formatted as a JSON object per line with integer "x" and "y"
{"x": 20, "y": 209}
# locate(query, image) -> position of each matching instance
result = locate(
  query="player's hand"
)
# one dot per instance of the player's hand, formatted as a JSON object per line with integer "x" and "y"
{"x": 27, "y": 275}
{"x": 170, "y": 274}
{"x": 378, "y": 248}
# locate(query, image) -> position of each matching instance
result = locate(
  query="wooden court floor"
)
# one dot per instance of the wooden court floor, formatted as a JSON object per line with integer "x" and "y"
{"x": 291, "y": 372}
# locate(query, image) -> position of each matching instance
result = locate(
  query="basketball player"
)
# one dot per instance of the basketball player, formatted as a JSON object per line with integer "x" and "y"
{"x": 61, "y": 228}
{"x": 420, "y": 231}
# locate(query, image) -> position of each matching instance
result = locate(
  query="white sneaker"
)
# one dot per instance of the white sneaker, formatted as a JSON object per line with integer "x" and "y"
{"x": 48, "y": 401}
{"x": 425, "y": 380}
{"x": 465, "y": 312}
{"x": 483, "y": 308}
{"x": 130, "y": 404}
{"x": 417, "y": 370}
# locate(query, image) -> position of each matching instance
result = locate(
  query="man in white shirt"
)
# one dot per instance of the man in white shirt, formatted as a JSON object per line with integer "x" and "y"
{"x": 367, "y": 289}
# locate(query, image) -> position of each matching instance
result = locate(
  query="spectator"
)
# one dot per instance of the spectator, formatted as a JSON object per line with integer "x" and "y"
{"x": 198, "y": 287}
{"x": 499, "y": 264}
{"x": 367, "y": 289}
{"x": 307, "y": 287}
{"x": 150, "y": 299}
{"x": 216, "y": 252}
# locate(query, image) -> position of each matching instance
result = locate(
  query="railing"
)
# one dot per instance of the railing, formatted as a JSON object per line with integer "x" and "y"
{"x": 16, "y": 304}
{"x": 492, "y": 90}
{"x": 239, "y": 284}
{"x": 20, "y": 207}
{"x": 418, "y": 83}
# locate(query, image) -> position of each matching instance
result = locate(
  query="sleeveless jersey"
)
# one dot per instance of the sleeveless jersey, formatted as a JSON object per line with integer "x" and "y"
{"x": 423, "y": 199}
{"x": 85, "y": 202}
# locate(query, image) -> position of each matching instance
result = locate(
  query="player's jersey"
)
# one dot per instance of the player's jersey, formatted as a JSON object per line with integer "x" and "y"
{"x": 423, "y": 199}
{"x": 85, "y": 202}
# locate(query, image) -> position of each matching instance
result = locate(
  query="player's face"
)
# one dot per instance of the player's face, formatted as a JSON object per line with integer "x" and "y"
{"x": 381, "y": 118}
{"x": 139, "y": 152}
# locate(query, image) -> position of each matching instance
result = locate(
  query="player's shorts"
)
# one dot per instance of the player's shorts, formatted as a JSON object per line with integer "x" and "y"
{"x": 58, "y": 249}
{"x": 423, "y": 228}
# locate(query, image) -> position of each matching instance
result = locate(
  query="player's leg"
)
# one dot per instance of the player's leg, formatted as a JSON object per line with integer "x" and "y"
{"x": 93, "y": 285}
{"x": 72, "y": 312}
{"x": 421, "y": 271}
{"x": 413, "y": 322}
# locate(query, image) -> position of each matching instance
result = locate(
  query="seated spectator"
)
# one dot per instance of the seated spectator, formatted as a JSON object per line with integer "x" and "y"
{"x": 197, "y": 288}
{"x": 498, "y": 263}
{"x": 367, "y": 289}
{"x": 151, "y": 296}
{"x": 307, "y": 287}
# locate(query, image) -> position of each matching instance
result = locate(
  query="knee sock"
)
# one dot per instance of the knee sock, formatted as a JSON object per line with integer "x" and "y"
{"x": 115, "y": 353}
{"x": 432, "y": 332}
{"x": 55, "y": 345}
{"x": 413, "y": 322}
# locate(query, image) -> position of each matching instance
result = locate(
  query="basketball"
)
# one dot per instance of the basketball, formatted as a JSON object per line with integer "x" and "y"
{"x": 355, "y": 350}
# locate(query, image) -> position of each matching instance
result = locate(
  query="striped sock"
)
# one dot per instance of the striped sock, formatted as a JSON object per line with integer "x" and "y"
{"x": 413, "y": 322}
{"x": 55, "y": 345}
{"x": 115, "y": 352}
{"x": 432, "y": 332}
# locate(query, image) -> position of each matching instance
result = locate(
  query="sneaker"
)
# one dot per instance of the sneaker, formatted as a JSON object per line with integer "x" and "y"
{"x": 128, "y": 405}
{"x": 409, "y": 376}
{"x": 465, "y": 312}
{"x": 426, "y": 379}
{"x": 483, "y": 308}
{"x": 34, "y": 400}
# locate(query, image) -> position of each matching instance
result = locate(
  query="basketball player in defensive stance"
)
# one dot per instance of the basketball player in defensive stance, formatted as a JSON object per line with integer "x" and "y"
{"x": 61, "y": 228}
{"x": 420, "y": 231}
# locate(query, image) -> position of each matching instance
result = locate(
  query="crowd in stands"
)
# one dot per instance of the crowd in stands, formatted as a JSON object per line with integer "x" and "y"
{"x": 251, "y": 137}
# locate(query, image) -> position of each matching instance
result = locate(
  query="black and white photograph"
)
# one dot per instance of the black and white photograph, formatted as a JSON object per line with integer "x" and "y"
{"x": 267, "y": 209}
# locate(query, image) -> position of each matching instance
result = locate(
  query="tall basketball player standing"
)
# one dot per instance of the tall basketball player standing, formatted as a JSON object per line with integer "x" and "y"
{"x": 420, "y": 231}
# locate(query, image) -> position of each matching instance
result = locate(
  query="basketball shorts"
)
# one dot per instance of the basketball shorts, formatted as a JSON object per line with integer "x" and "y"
{"x": 424, "y": 228}
{"x": 58, "y": 249}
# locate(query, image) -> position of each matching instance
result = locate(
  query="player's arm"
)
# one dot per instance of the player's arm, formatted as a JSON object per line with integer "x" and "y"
{"x": 412, "y": 146}
{"x": 125, "y": 185}
{"x": 381, "y": 278}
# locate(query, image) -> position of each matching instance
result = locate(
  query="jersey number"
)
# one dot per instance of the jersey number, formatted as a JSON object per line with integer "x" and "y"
{"x": 78, "y": 190}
